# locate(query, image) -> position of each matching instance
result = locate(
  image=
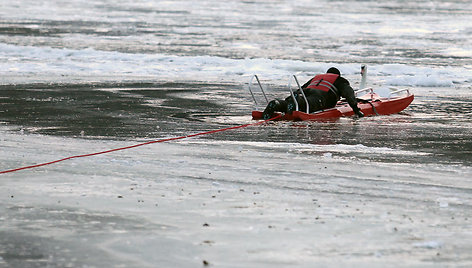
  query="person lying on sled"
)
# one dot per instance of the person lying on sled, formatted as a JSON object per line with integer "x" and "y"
{"x": 322, "y": 92}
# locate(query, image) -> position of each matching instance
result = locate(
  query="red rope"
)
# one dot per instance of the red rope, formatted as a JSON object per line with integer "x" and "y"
{"x": 136, "y": 145}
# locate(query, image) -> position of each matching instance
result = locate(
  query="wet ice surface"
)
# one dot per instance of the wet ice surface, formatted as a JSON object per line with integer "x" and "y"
{"x": 233, "y": 204}
{"x": 377, "y": 191}
{"x": 434, "y": 129}
{"x": 78, "y": 77}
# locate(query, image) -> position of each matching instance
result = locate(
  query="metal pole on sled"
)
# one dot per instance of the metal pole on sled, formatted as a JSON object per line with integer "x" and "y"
{"x": 303, "y": 94}
{"x": 295, "y": 99}
{"x": 260, "y": 86}
{"x": 293, "y": 95}
{"x": 297, "y": 108}
{"x": 263, "y": 93}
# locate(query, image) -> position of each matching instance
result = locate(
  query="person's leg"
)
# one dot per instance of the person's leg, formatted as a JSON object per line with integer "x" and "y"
{"x": 314, "y": 101}
{"x": 316, "y": 104}
{"x": 291, "y": 106}
{"x": 274, "y": 106}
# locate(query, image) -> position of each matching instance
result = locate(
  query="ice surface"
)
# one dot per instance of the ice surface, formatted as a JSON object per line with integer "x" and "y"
{"x": 61, "y": 65}
{"x": 235, "y": 204}
{"x": 82, "y": 76}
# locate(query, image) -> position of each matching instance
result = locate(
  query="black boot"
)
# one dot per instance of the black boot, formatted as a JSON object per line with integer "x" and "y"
{"x": 270, "y": 109}
{"x": 291, "y": 107}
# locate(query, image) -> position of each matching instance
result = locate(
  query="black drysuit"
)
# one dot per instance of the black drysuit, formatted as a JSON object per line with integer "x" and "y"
{"x": 319, "y": 98}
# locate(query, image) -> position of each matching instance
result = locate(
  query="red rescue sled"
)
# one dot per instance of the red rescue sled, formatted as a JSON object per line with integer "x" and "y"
{"x": 370, "y": 104}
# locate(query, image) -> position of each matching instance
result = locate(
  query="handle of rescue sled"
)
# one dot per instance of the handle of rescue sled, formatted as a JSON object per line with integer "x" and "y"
{"x": 297, "y": 108}
{"x": 303, "y": 94}
{"x": 260, "y": 87}
{"x": 367, "y": 89}
{"x": 396, "y": 91}
{"x": 293, "y": 95}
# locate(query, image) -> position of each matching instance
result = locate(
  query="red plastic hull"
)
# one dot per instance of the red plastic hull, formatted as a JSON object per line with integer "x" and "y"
{"x": 383, "y": 106}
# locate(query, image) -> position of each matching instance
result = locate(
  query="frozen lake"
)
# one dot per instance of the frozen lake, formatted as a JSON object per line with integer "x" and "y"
{"x": 79, "y": 77}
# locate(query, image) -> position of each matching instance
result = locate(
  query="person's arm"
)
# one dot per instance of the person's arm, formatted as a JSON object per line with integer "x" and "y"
{"x": 347, "y": 92}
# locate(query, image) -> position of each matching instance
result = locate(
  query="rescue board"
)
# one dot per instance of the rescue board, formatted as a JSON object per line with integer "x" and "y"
{"x": 370, "y": 104}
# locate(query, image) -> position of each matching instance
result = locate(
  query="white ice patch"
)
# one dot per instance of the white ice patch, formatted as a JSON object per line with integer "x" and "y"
{"x": 326, "y": 151}
{"x": 446, "y": 202}
{"x": 49, "y": 62}
{"x": 429, "y": 245}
